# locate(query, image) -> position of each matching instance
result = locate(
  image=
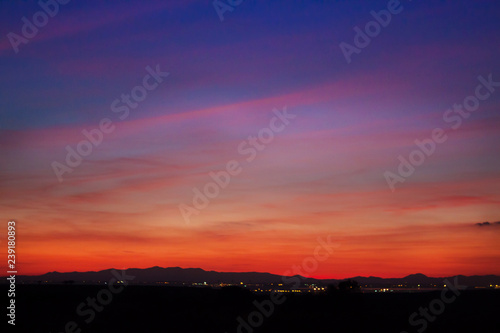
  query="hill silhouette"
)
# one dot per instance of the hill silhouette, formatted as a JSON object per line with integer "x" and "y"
{"x": 197, "y": 275}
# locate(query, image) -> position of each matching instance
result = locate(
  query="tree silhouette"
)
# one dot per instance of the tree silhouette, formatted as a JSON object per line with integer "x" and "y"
{"x": 331, "y": 289}
{"x": 349, "y": 286}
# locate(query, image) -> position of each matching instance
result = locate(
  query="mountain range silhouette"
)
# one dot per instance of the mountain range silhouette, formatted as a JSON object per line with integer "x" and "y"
{"x": 197, "y": 275}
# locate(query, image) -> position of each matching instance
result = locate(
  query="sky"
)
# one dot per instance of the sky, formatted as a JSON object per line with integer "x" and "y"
{"x": 114, "y": 117}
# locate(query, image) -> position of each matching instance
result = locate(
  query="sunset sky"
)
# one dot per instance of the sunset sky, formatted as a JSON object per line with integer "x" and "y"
{"x": 321, "y": 175}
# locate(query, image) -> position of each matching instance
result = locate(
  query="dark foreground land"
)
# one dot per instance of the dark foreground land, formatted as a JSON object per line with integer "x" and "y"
{"x": 150, "y": 309}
